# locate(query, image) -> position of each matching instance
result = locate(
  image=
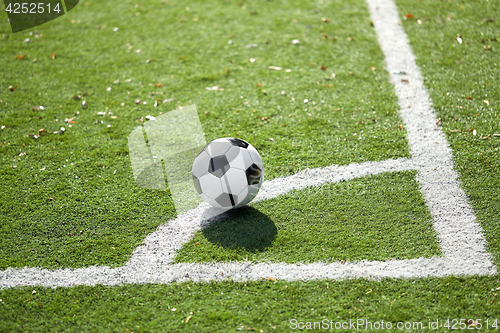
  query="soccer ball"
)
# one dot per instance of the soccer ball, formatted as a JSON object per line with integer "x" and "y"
{"x": 228, "y": 173}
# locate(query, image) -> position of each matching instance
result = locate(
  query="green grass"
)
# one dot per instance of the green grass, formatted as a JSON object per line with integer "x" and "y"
{"x": 460, "y": 77}
{"x": 261, "y": 305}
{"x": 371, "y": 218}
{"x": 53, "y": 219}
{"x": 90, "y": 59}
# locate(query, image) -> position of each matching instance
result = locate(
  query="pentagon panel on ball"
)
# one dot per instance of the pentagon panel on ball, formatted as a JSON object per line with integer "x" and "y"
{"x": 228, "y": 173}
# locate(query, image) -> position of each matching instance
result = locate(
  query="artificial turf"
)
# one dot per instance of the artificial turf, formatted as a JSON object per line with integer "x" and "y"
{"x": 69, "y": 200}
{"x": 462, "y": 70}
{"x": 260, "y": 306}
{"x": 378, "y": 217}
{"x": 463, "y": 81}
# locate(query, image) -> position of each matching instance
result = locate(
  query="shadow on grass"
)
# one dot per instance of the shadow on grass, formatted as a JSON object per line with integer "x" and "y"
{"x": 245, "y": 228}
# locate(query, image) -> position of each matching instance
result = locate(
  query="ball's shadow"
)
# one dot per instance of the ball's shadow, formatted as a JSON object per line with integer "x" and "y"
{"x": 245, "y": 228}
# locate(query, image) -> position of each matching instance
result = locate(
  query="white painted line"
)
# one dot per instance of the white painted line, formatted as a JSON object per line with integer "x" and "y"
{"x": 460, "y": 235}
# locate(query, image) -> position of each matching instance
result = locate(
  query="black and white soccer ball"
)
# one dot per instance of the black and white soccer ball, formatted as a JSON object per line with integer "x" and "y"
{"x": 228, "y": 173}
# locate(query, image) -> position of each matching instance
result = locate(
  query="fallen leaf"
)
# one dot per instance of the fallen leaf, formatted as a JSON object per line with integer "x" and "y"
{"x": 405, "y": 81}
{"x": 20, "y": 56}
{"x": 11, "y": 88}
{"x": 37, "y": 108}
{"x": 400, "y": 127}
{"x": 158, "y": 85}
{"x": 323, "y": 68}
{"x": 325, "y": 37}
{"x": 187, "y": 319}
{"x": 350, "y": 39}
{"x": 53, "y": 55}
{"x": 373, "y": 68}
{"x": 486, "y": 137}
{"x": 324, "y": 19}
{"x": 40, "y": 131}
{"x": 34, "y": 60}
{"x": 137, "y": 101}
{"x": 469, "y": 97}
{"x": 408, "y": 15}
{"x": 77, "y": 97}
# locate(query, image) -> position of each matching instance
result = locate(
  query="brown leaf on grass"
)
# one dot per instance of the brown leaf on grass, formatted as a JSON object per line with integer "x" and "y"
{"x": 486, "y": 136}
{"x": 323, "y": 68}
{"x": 12, "y": 88}
{"x": 259, "y": 85}
{"x": 468, "y": 97}
{"x": 137, "y": 101}
{"x": 408, "y": 16}
{"x": 41, "y": 130}
{"x": 350, "y": 39}
{"x": 373, "y": 68}
{"x": 400, "y": 127}
{"x": 77, "y": 97}
{"x": 20, "y": 57}
{"x": 325, "y": 37}
{"x": 405, "y": 81}
{"x": 53, "y": 55}
{"x": 37, "y": 108}
{"x": 158, "y": 85}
